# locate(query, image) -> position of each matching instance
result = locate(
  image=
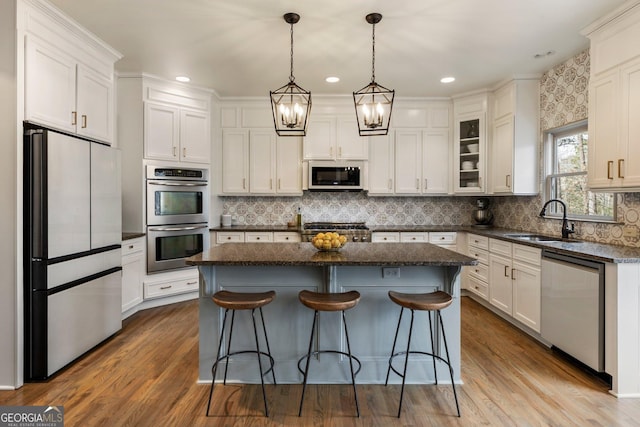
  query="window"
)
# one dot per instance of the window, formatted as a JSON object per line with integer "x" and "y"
{"x": 567, "y": 177}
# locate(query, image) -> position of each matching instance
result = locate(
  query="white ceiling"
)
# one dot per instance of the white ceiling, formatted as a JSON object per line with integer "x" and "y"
{"x": 241, "y": 47}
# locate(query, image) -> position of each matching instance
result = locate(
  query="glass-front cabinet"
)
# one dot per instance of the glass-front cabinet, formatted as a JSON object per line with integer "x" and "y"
{"x": 469, "y": 152}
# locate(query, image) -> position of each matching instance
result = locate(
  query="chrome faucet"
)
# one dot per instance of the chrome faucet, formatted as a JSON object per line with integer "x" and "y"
{"x": 565, "y": 223}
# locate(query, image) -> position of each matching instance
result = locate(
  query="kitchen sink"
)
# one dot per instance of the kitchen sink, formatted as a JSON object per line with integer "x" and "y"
{"x": 535, "y": 237}
{"x": 540, "y": 238}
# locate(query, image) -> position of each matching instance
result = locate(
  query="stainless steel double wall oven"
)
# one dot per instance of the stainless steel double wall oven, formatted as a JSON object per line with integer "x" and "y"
{"x": 177, "y": 216}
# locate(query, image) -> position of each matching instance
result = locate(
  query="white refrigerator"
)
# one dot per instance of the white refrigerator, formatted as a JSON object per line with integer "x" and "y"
{"x": 72, "y": 256}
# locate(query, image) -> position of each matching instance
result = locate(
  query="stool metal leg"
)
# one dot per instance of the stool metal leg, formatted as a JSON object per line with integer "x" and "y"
{"x": 226, "y": 366}
{"x": 353, "y": 377}
{"x": 433, "y": 348}
{"x": 393, "y": 349}
{"x": 306, "y": 370}
{"x": 266, "y": 339}
{"x": 255, "y": 334}
{"x": 406, "y": 363}
{"x": 214, "y": 368}
{"x": 446, "y": 349}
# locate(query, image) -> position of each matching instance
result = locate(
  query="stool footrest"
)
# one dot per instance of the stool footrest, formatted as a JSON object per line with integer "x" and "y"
{"x": 424, "y": 353}
{"x": 262, "y": 353}
{"x": 315, "y": 353}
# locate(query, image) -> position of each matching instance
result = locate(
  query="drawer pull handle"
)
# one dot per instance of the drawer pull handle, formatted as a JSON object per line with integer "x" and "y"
{"x": 192, "y": 283}
{"x": 130, "y": 246}
{"x": 165, "y": 287}
{"x": 620, "y": 164}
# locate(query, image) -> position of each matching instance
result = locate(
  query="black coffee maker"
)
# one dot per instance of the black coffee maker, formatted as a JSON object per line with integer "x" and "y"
{"x": 482, "y": 216}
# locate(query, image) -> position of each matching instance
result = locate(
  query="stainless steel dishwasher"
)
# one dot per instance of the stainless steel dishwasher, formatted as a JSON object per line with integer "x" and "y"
{"x": 572, "y": 307}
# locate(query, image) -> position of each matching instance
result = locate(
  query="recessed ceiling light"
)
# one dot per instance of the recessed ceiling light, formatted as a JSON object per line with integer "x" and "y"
{"x": 183, "y": 79}
{"x": 544, "y": 54}
{"x": 332, "y": 79}
{"x": 447, "y": 79}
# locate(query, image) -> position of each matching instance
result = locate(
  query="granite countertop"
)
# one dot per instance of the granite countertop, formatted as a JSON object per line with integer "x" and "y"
{"x": 572, "y": 247}
{"x": 255, "y": 228}
{"x": 127, "y": 235}
{"x": 304, "y": 254}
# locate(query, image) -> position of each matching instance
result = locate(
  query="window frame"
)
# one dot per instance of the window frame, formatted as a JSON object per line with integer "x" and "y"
{"x": 550, "y": 161}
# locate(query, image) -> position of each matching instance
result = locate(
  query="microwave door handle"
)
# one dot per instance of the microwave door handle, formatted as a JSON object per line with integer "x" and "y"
{"x": 178, "y": 184}
{"x": 195, "y": 227}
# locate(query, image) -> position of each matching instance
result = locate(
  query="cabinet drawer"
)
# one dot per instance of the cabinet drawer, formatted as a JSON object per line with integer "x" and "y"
{"x": 229, "y": 236}
{"x": 479, "y": 254}
{"x": 258, "y": 236}
{"x": 409, "y": 237}
{"x": 500, "y": 247}
{"x": 442, "y": 238}
{"x": 385, "y": 236}
{"x": 527, "y": 254}
{"x": 478, "y": 287}
{"x": 172, "y": 287}
{"x": 132, "y": 246}
{"x": 480, "y": 271}
{"x": 476, "y": 241}
{"x": 286, "y": 236}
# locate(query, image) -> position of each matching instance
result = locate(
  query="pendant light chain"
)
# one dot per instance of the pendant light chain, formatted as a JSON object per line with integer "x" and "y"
{"x": 291, "y": 78}
{"x": 373, "y": 55}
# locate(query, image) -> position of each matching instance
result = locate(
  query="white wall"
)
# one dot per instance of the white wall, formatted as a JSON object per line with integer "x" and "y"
{"x": 8, "y": 196}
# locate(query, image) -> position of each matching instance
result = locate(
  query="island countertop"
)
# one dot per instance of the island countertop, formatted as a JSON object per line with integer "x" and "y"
{"x": 304, "y": 254}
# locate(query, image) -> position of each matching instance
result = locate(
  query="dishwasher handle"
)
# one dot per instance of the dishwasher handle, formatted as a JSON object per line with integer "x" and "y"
{"x": 572, "y": 260}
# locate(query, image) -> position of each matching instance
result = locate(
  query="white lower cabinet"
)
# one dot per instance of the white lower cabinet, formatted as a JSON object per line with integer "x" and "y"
{"x": 515, "y": 281}
{"x": 256, "y": 236}
{"x": 171, "y": 286}
{"x": 445, "y": 239}
{"x": 477, "y": 276}
{"x": 133, "y": 270}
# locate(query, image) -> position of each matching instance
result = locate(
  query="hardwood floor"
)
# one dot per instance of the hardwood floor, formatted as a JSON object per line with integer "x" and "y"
{"x": 146, "y": 376}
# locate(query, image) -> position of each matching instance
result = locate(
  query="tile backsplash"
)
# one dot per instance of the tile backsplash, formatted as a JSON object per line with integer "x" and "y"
{"x": 563, "y": 100}
{"x": 352, "y": 207}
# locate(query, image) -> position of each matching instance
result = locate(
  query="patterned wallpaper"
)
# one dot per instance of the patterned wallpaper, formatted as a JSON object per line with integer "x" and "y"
{"x": 563, "y": 100}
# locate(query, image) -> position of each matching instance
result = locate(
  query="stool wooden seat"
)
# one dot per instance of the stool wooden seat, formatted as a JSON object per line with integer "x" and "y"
{"x": 329, "y": 302}
{"x": 235, "y": 301}
{"x": 432, "y": 303}
{"x": 242, "y": 300}
{"x": 425, "y": 302}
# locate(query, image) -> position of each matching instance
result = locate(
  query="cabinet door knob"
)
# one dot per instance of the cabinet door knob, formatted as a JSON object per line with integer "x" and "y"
{"x": 130, "y": 246}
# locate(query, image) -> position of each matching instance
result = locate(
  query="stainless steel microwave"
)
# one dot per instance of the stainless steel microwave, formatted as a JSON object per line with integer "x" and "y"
{"x": 336, "y": 175}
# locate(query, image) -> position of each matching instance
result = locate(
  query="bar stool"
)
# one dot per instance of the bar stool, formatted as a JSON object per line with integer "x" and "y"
{"x": 432, "y": 303}
{"x": 329, "y": 302}
{"x": 242, "y": 301}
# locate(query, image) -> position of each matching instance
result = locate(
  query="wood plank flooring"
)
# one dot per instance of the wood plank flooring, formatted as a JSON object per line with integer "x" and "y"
{"x": 146, "y": 376}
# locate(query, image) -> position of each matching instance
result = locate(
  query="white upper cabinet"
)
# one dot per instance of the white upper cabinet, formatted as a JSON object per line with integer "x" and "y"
{"x": 514, "y": 147}
{"x": 63, "y": 93}
{"x": 381, "y": 164}
{"x": 469, "y": 147}
{"x": 256, "y": 161}
{"x": 415, "y": 158}
{"x": 614, "y": 101}
{"x": 177, "y": 124}
{"x": 332, "y": 137}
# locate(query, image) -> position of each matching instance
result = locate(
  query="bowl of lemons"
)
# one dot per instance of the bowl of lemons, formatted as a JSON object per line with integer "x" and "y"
{"x": 329, "y": 241}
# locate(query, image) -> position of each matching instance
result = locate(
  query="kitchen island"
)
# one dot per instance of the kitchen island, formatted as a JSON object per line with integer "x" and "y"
{"x": 370, "y": 268}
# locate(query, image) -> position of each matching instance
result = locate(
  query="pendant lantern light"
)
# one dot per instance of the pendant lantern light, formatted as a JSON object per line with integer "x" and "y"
{"x": 291, "y": 104}
{"x": 373, "y": 102}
